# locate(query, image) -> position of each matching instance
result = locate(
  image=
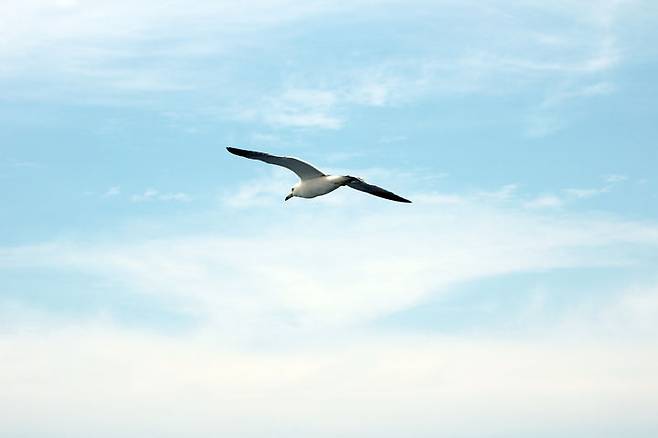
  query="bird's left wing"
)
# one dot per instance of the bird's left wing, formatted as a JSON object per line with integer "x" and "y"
{"x": 301, "y": 168}
{"x": 359, "y": 184}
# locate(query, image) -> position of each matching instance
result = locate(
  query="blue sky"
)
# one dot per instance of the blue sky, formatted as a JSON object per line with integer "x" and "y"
{"x": 151, "y": 283}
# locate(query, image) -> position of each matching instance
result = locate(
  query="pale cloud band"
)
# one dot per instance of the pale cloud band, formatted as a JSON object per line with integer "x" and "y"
{"x": 369, "y": 386}
{"x": 349, "y": 274}
{"x": 100, "y": 42}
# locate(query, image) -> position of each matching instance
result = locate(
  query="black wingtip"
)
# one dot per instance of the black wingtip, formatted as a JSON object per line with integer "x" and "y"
{"x": 239, "y": 152}
{"x": 393, "y": 197}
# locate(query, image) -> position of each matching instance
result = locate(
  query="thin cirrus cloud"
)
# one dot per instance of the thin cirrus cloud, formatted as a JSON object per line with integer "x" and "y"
{"x": 401, "y": 82}
{"x": 348, "y": 274}
{"x": 112, "y": 191}
{"x": 545, "y": 201}
{"x": 297, "y": 108}
{"x": 153, "y": 51}
{"x": 575, "y": 194}
{"x": 154, "y": 195}
{"x": 99, "y": 47}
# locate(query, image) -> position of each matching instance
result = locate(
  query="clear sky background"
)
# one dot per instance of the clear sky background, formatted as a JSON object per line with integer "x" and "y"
{"x": 151, "y": 284}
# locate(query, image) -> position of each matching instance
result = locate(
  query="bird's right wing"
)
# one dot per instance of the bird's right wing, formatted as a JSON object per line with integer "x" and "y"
{"x": 359, "y": 184}
{"x": 301, "y": 168}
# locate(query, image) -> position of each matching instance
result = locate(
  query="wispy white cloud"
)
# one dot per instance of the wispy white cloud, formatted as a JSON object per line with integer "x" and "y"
{"x": 112, "y": 191}
{"x": 144, "y": 50}
{"x": 572, "y": 194}
{"x": 154, "y": 195}
{"x": 260, "y": 191}
{"x": 585, "y": 193}
{"x": 592, "y": 90}
{"x": 101, "y": 47}
{"x": 539, "y": 125}
{"x": 296, "y": 108}
{"x": 178, "y": 196}
{"x": 335, "y": 282}
{"x": 25, "y": 164}
{"x": 393, "y": 139}
{"x": 402, "y": 81}
{"x": 506, "y": 192}
{"x": 615, "y": 178}
{"x": 545, "y": 201}
{"x": 547, "y": 118}
{"x": 15, "y": 165}
{"x": 148, "y": 195}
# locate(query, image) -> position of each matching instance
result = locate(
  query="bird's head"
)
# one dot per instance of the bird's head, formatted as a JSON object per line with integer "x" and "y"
{"x": 291, "y": 194}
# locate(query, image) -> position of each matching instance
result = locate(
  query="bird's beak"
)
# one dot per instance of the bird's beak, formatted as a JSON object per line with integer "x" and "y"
{"x": 289, "y": 196}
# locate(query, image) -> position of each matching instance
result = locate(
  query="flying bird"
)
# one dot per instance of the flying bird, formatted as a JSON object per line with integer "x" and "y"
{"x": 314, "y": 182}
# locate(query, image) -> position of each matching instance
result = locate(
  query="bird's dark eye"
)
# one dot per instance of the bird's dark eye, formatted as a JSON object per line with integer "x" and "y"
{"x": 292, "y": 190}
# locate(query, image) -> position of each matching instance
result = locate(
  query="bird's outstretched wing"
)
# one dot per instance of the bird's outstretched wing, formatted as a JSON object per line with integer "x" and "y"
{"x": 359, "y": 184}
{"x": 301, "y": 168}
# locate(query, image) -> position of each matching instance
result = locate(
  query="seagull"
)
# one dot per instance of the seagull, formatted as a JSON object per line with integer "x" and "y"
{"x": 314, "y": 182}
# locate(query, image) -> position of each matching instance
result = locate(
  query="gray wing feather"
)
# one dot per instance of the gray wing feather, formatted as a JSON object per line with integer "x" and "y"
{"x": 359, "y": 184}
{"x": 301, "y": 168}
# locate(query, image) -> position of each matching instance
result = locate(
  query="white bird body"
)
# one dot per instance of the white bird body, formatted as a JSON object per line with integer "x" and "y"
{"x": 313, "y": 182}
{"x": 321, "y": 185}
